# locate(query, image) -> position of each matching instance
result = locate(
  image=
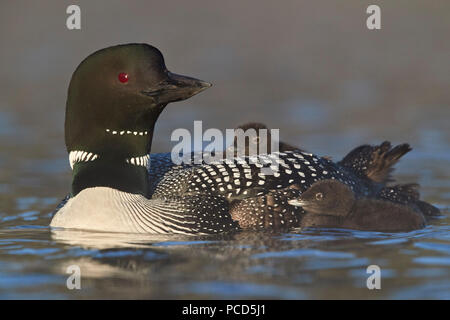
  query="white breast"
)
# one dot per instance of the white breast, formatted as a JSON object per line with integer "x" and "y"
{"x": 98, "y": 208}
{"x": 110, "y": 210}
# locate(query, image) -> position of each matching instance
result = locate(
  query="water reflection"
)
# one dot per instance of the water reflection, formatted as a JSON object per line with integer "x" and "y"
{"x": 105, "y": 240}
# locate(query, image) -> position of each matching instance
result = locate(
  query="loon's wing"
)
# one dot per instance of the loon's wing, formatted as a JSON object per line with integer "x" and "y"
{"x": 375, "y": 162}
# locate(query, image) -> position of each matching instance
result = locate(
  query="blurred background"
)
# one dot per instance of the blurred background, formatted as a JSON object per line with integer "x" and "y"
{"x": 310, "y": 68}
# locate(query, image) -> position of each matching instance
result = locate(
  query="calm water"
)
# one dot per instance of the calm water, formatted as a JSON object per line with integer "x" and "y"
{"x": 311, "y": 69}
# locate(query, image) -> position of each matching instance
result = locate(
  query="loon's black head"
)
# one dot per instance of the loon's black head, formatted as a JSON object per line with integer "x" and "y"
{"x": 327, "y": 197}
{"x": 115, "y": 97}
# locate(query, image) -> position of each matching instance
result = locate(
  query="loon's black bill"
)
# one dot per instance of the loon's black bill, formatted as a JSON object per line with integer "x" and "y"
{"x": 176, "y": 88}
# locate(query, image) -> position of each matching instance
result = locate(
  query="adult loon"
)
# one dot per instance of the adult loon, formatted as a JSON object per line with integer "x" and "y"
{"x": 332, "y": 204}
{"x": 114, "y": 99}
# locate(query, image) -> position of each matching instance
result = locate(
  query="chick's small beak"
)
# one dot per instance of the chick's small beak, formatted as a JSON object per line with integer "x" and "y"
{"x": 176, "y": 88}
{"x": 297, "y": 202}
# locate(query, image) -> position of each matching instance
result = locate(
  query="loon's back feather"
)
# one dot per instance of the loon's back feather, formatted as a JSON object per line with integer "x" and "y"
{"x": 241, "y": 178}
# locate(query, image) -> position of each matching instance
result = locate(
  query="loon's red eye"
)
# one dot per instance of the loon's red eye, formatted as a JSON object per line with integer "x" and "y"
{"x": 123, "y": 77}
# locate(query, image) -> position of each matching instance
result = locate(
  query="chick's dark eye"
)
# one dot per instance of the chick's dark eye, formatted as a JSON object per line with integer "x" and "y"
{"x": 319, "y": 196}
{"x": 123, "y": 77}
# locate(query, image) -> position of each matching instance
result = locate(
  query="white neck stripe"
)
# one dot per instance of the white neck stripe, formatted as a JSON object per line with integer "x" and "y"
{"x": 141, "y": 133}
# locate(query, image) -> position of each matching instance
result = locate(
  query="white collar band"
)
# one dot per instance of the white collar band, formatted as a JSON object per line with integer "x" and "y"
{"x": 143, "y": 161}
{"x": 84, "y": 156}
{"x": 81, "y": 156}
